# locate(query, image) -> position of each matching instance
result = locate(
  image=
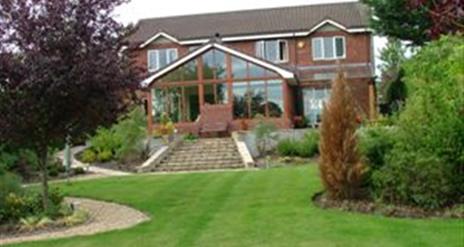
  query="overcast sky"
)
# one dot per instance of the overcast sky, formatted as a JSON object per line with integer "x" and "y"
{"x": 138, "y": 9}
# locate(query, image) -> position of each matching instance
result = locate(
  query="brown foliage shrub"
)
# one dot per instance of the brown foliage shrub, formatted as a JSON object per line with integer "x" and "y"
{"x": 340, "y": 166}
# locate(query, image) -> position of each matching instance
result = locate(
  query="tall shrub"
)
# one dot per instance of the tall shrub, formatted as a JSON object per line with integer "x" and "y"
{"x": 432, "y": 123}
{"x": 340, "y": 166}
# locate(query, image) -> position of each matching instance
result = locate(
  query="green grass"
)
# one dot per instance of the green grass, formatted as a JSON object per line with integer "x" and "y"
{"x": 263, "y": 208}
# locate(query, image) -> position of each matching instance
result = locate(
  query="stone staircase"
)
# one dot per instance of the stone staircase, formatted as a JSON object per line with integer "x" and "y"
{"x": 202, "y": 154}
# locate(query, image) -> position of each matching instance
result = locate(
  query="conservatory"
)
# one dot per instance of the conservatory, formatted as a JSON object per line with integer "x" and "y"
{"x": 215, "y": 88}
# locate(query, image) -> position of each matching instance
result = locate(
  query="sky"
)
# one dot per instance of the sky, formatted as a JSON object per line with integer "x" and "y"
{"x": 139, "y": 9}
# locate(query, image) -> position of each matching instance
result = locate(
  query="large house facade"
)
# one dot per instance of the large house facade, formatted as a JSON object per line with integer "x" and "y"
{"x": 216, "y": 72}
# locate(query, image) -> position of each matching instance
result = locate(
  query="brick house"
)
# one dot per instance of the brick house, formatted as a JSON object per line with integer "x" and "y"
{"x": 215, "y": 72}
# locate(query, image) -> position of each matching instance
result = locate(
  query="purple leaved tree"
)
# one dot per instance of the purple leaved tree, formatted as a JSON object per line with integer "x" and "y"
{"x": 62, "y": 72}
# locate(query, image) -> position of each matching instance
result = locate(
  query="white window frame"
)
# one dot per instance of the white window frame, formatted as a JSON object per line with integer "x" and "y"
{"x": 334, "y": 48}
{"x": 260, "y": 44}
{"x": 157, "y": 51}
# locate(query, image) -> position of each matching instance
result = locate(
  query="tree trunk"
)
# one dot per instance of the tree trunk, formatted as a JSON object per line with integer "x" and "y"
{"x": 43, "y": 160}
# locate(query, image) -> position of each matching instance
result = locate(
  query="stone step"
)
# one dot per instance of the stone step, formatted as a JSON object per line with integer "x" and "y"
{"x": 233, "y": 153}
{"x": 193, "y": 159}
{"x": 200, "y": 162}
{"x": 197, "y": 167}
{"x": 201, "y": 147}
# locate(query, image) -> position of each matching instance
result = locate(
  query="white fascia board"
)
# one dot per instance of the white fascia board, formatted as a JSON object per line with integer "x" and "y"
{"x": 194, "y": 42}
{"x": 156, "y": 36}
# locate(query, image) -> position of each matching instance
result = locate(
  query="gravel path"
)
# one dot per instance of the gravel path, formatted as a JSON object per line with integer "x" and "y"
{"x": 104, "y": 217}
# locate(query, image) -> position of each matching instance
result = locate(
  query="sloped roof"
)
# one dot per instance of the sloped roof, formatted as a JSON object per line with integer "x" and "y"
{"x": 352, "y": 15}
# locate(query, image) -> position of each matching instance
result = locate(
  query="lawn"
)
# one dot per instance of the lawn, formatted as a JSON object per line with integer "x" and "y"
{"x": 252, "y": 208}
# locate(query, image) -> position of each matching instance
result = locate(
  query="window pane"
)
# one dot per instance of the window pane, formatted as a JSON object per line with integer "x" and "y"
{"x": 239, "y": 68}
{"x": 163, "y": 58}
{"x": 152, "y": 65}
{"x": 221, "y": 93}
{"x": 167, "y": 100}
{"x": 317, "y": 48}
{"x": 172, "y": 55}
{"x": 214, "y": 65}
{"x": 256, "y": 71}
{"x": 187, "y": 72}
{"x": 257, "y": 95}
{"x": 240, "y": 100}
{"x": 328, "y": 48}
{"x": 314, "y": 100}
{"x": 191, "y": 104}
{"x": 260, "y": 49}
{"x": 340, "y": 47}
{"x": 275, "y": 102}
{"x": 271, "y": 50}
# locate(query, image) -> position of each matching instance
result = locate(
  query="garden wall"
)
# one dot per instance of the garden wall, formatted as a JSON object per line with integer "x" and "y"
{"x": 280, "y": 134}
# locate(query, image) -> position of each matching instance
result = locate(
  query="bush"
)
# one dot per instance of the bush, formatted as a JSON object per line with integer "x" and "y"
{"x": 15, "y": 207}
{"x": 375, "y": 143}
{"x": 414, "y": 178}
{"x": 89, "y": 156}
{"x": 105, "y": 155}
{"x": 309, "y": 145}
{"x": 340, "y": 167}
{"x": 105, "y": 141}
{"x": 425, "y": 166}
{"x": 132, "y": 130}
{"x": 9, "y": 184}
{"x": 287, "y": 147}
{"x": 264, "y": 133}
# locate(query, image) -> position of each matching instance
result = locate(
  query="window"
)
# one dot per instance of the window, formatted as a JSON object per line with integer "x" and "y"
{"x": 272, "y": 50}
{"x": 214, "y": 65}
{"x": 258, "y": 97}
{"x": 314, "y": 100}
{"x": 157, "y": 59}
{"x": 181, "y": 104}
{"x": 327, "y": 48}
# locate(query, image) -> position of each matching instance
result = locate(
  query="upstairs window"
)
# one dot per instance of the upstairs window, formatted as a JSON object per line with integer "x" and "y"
{"x": 272, "y": 50}
{"x": 158, "y": 59}
{"x": 329, "y": 48}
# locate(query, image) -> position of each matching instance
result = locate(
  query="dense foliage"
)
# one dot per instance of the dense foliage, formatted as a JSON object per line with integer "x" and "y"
{"x": 16, "y": 203}
{"x": 417, "y": 21}
{"x": 62, "y": 72}
{"x": 340, "y": 165}
{"x": 426, "y": 164}
{"x": 124, "y": 141}
{"x": 307, "y": 147}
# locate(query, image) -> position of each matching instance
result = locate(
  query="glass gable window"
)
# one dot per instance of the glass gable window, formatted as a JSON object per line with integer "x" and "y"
{"x": 159, "y": 58}
{"x": 313, "y": 103}
{"x": 186, "y": 72}
{"x": 272, "y": 50}
{"x": 328, "y": 48}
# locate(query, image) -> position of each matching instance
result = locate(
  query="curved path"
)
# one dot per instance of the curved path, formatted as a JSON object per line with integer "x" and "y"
{"x": 104, "y": 217}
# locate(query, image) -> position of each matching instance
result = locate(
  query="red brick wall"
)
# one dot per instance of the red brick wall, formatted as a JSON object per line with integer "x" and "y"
{"x": 358, "y": 49}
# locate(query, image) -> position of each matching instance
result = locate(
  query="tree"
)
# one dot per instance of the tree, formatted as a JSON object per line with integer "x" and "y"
{"x": 417, "y": 21}
{"x": 61, "y": 73}
{"x": 340, "y": 167}
{"x": 392, "y": 88}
